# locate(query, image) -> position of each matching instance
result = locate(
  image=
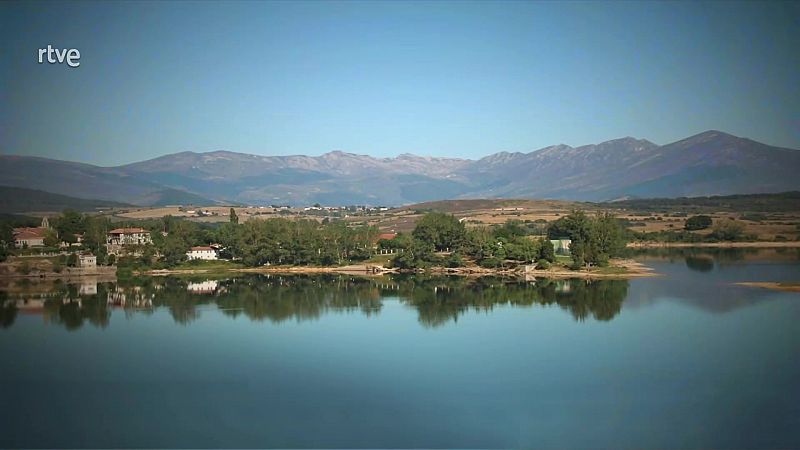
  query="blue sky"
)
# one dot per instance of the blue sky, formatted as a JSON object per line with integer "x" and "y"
{"x": 462, "y": 79}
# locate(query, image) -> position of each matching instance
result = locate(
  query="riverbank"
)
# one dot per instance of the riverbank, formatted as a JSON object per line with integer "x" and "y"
{"x": 43, "y": 268}
{"x": 617, "y": 269}
{"x": 765, "y": 244}
{"x": 785, "y": 287}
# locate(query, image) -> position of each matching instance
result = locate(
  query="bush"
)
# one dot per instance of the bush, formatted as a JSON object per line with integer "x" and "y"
{"x": 490, "y": 263}
{"x": 543, "y": 264}
{"x": 602, "y": 260}
{"x": 453, "y": 261}
{"x": 698, "y": 223}
{"x": 728, "y": 230}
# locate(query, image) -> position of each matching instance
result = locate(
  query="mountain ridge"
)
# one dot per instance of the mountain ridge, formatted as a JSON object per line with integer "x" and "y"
{"x": 707, "y": 163}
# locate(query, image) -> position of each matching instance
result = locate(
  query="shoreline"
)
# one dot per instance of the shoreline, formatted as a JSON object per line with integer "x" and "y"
{"x": 107, "y": 274}
{"x": 748, "y": 244}
{"x": 629, "y": 269}
{"x": 771, "y": 285}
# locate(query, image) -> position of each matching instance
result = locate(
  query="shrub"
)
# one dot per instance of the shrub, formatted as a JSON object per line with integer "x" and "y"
{"x": 698, "y": 223}
{"x": 490, "y": 263}
{"x": 454, "y": 260}
{"x": 728, "y": 230}
{"x": 543, "y": 264}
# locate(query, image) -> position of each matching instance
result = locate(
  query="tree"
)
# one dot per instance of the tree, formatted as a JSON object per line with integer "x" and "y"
{"x": 72, "y": 260}
{"x": 6, "y": 234}
{"x": 575, "y": 226}
{"x": 522, "y": 249}
{"x": 441, "y": 230}
{"x": 94, "y": 237}
{"x": 511, "y": 230}
{"x": 418, "y": 254}
{"x": 174, "y": 251}
{"x": 233, "y": 217}
{"x": 594, "y": 239}
{"x": 70, "y": 222}
{"x": 546, "y": 251}
{"x": 69, "y": 238}
{"x": 607, "y": 238}
{"x": 700, "y": 222}
{"x": 50, "y": 238}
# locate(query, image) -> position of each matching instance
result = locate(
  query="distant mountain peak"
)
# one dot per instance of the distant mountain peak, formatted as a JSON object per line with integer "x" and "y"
{"x": 711, "y": 162}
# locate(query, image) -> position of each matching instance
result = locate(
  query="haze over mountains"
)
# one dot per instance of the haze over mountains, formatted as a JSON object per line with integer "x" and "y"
{"x": 710, "y": 163}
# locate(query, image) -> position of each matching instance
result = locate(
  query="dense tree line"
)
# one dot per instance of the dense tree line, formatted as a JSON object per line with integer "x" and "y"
{"x": 440, "y": 239}
{"x": 721, "y": 230}
{"x": 437, "y": 240}
{"x": 296, "y": 242}
{"x": 254, "y": 243}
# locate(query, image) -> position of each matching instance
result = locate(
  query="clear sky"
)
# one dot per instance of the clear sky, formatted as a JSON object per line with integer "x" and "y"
{"x": 462, "y": 79}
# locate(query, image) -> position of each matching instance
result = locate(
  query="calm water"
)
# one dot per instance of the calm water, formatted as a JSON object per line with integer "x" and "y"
{"x": 687, "y": 360}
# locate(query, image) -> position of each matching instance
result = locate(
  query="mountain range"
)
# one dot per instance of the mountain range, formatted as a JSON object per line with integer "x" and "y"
{"x": 710, "y": 163}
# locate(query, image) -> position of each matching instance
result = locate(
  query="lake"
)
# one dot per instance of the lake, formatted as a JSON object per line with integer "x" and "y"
{"x": 684, "y": 360}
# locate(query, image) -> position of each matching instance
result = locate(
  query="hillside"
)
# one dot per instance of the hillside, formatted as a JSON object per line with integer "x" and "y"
{"x": 20, "y": 200}
{"x": 86, "y": 181}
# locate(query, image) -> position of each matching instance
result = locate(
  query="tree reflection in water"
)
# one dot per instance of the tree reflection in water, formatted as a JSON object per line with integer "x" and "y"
{"x": 438, "y": 300}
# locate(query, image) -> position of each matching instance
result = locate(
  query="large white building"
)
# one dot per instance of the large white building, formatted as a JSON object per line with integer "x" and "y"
{"x": 204, "y": 253}
{"x": 119, "y": 238}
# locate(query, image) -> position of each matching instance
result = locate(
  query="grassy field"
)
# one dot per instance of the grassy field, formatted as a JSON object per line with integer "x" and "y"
{"x": 764, "y": 216}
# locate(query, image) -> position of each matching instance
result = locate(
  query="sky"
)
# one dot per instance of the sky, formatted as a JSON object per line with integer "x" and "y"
{"x": 458, "y": 79}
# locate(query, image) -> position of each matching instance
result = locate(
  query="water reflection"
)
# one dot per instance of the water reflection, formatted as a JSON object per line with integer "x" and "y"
{"x": 702, "y": 278}
{"x": 438, "y": 300}
{"x": 705, "y": 278}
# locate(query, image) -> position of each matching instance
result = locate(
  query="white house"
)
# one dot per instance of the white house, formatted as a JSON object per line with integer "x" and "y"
{"x": 561, "y": 246}
{"x": 204, "y": 253}
{"x": 29, "y": 237}
{"x": 87, "y": 261}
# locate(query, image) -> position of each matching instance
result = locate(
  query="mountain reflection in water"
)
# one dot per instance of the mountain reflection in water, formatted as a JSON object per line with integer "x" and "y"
{"x": 438, "y": 300}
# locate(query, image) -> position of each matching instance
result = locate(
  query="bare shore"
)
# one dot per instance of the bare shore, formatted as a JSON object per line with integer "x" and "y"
{"x": 782, "y": 244}
{"x": 618, "y": 269}
{"x": 785, "y": 287}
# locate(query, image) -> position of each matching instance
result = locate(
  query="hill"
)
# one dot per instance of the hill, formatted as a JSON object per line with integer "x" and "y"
{"x": 20, "y": 200}
{"x": 779, "y": 202}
